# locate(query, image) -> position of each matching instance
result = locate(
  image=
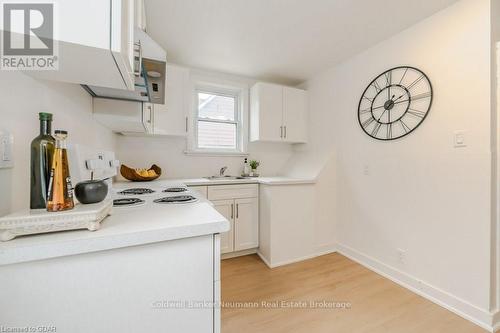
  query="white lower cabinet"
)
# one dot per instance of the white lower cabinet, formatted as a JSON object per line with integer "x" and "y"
{"x": 246, "y": 226}
{"x": 239, "y": 204}
{"x": 226, "y": 209}
{"x": 178, "y": 271}
{"x": 201, "y": 190}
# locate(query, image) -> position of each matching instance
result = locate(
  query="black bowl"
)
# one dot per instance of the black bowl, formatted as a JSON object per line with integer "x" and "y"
{"x": 91, "y": 191}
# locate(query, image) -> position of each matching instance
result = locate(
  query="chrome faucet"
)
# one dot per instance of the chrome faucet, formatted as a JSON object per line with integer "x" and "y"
{"x": 222, "y": 170}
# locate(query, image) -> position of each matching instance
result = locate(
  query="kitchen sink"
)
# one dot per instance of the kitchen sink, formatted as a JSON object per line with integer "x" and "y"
{"x": 225, "y": 177}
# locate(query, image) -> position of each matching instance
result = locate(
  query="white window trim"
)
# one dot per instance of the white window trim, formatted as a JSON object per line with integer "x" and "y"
{"x": 241, "y": 91}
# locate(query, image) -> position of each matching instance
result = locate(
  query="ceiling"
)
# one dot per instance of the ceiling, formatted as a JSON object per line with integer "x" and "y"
{"x": 285, "y": 41}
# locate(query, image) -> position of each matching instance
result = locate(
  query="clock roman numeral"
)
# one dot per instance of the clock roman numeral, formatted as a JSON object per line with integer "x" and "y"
{"x": 389, "y": 131}
{"x": 376, "y": 129}
{"x": 406, "y": 128}
{"x": 416, "y": 113}
{"x": 376, "y": 86}
{"x": 414, "y": 83}
{"x": 365, "y": 111}
{"x": 403, "y": 77}
{"x": 367, "y": 122}
{"x": 420, "y": 96}
{"x": 388, "y": 78}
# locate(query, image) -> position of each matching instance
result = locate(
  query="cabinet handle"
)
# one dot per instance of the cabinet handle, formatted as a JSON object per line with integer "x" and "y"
{"x": 237, "y": 210}
{"x": 138, "y": 71}
{"x": 285, "y": 132}
{"x": 281, "y": 132}
{"x": 232, "y": 211}
{"x": 186, "y": 124}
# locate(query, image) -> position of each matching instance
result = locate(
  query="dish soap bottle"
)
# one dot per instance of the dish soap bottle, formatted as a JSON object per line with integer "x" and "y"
{"x": 246, "y": 168}
{"x": 42, "y": 151}
{"x": 60, "y": 194}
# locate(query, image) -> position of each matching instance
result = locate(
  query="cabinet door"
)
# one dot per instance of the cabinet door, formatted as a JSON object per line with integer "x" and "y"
{"x": 226, "y": 209}
{"x": 246, "y": 224}
{"x": 294, "y": 115}
{"x": 119, "y": 116}
{"x": 266, "y": 112}
{"x": 140, "y": 15}
{"x": 122, "y": 38}
{"x": 171, "y": 117}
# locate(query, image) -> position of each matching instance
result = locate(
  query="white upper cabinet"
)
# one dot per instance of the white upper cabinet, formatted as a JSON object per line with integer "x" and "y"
{"x": 140, "y": 15}
{"x": 171, "y": 118}
{"x": 122, "y": 39}
{"x": 294, "y": 115}
{"x": 135, "y": 118}
{"x": 278, "y": 113}
{"x": 126, "y": 117}
{"x": 94, "y": 43}
{"x": 266, "y": 112}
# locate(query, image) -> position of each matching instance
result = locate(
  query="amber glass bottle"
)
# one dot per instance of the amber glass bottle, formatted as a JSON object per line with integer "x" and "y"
{"x": 60, "y": 194}
{"x": 42, "y": 150}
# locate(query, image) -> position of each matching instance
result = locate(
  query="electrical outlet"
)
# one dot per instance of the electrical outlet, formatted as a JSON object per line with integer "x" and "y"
{"x": 401, "y": 256}
{"x": 460, "y": 139}
{"x": 366, "y": 170}
{"x": 6, "y": 147}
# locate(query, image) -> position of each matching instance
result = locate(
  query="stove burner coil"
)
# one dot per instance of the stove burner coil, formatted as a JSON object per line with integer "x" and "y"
{"x": 176, "y": 199}
{"x": 175, "y": 189}
{"x": 127, "y": 202}
{"x": 136, "y": 191}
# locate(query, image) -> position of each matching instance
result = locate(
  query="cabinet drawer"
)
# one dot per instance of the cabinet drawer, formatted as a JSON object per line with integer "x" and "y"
{"x": 221, "y": 192}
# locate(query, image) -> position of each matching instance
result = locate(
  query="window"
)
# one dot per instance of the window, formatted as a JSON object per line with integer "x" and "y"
{"x": 217, "y": 118}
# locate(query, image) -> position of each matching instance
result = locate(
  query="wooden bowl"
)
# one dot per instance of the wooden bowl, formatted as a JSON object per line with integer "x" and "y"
{"x": 132, "y": 175}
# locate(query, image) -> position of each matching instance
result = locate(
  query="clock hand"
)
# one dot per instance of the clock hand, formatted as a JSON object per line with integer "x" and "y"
{"x": 378, "y": 107}
{"x": 398, "y": 97}
{"x": 382, "y": 115}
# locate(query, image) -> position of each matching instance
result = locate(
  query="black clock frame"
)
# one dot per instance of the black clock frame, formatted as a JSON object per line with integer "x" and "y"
{"x": 407, "y": 108}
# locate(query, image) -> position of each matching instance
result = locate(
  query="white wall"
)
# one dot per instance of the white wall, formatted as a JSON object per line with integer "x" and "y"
{"x": 495, "y": 226}
{"x": 168, "y": 152}
{"x": 21, "y": 98}
{"x": 421, "y": 195}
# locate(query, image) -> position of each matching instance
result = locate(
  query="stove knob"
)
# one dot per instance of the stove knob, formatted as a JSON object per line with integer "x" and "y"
{"x": 114, "y": 163}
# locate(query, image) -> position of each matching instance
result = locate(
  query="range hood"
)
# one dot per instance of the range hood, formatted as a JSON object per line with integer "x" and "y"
{"x": 150, "y": 71}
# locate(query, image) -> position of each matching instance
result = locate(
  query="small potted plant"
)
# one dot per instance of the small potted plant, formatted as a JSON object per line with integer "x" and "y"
{"x": 254, "y": 165}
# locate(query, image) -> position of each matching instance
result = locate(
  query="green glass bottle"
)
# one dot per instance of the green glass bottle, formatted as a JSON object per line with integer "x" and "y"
{"x": 42, "y": 151}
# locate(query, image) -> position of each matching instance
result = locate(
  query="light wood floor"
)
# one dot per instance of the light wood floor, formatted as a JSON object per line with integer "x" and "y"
{"x": 377, "y": 304}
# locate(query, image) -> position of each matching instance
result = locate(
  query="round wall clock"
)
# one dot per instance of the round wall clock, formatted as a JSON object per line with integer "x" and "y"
{"x": 395, "y": 103}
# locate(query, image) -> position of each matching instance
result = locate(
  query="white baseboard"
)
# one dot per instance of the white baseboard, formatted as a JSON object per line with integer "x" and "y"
{"x": 460, "y": 307}
{"x": 237, "y": 254}
{"x": 496, "y": 322}
{"x": 264, "y": 259}
{"x": 320, "y": 251}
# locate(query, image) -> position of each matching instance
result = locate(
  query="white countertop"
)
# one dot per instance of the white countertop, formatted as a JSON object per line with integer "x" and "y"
{"x": 135, "y": 226}
{"x": 256, "y": 180}
{"x": 125, "y": 227}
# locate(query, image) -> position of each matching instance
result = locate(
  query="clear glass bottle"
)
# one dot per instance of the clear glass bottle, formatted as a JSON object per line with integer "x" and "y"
{"x": 42, "y": 151}
{"x": 60, "y": 194}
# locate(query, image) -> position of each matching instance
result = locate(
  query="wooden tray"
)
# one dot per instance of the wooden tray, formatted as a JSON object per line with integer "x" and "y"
{"x": 39, "y": 221}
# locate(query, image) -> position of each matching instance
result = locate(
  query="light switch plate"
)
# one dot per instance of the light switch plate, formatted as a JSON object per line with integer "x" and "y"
{"x": 460, "y": 139}
{"x": 6, "y": 150}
